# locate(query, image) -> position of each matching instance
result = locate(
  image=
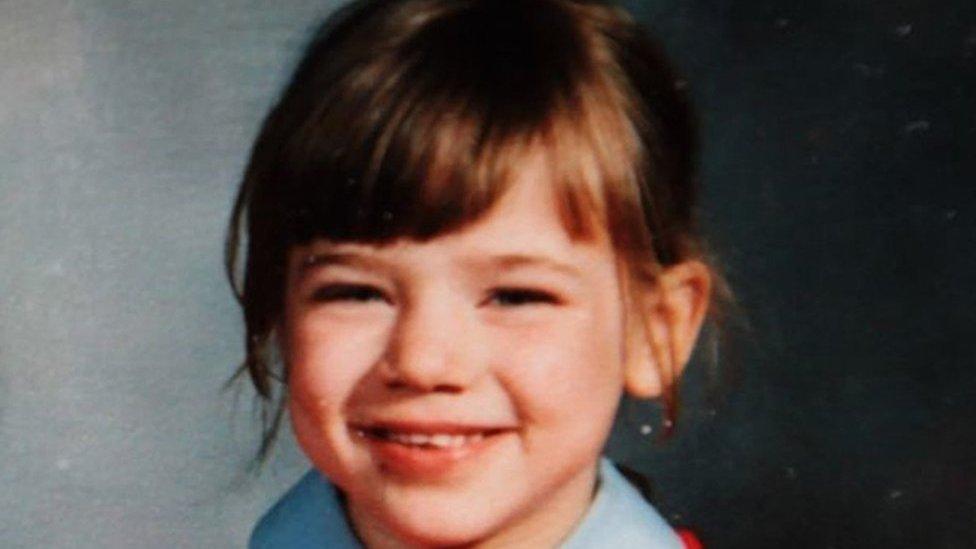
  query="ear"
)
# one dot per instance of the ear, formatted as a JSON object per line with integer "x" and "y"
{"x": 671, "y": 311}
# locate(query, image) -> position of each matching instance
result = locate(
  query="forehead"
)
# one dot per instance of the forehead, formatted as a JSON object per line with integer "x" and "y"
{"x": 527, "y": 216}
{"x": 524, "y": 227}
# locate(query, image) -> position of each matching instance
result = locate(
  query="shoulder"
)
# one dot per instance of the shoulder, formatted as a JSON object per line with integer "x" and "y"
{"x": 308, "y": 515}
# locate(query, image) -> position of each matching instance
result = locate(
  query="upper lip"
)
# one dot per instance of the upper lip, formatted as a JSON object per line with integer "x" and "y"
{"x": 431, "y": 427}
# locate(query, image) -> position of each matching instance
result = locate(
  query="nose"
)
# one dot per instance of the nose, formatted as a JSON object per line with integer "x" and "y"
{"x": 432, "y": 349}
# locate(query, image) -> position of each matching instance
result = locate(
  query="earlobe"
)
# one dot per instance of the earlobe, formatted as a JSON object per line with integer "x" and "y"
{"x": 642, "y": 377}
{"x": 671, "y": 312}
{"x": 686, "y": 292}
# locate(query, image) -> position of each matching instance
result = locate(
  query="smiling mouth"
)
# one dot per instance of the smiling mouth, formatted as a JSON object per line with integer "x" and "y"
{"x": 427, "y": 435}
{"x": 429, "y": 451}
{"x": 432, "y": 440}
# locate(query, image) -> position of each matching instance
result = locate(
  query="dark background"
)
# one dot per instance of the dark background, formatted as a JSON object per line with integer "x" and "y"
{"x": 841, "y": 198}
{"x": 838, "y": 169}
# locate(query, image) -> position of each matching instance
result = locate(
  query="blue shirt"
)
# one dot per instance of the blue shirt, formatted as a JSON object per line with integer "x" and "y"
{"x": 310, "y": 516}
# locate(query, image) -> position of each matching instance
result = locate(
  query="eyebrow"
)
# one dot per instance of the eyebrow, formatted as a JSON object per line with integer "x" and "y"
{"x": 515, "y": 261}
{"x": 317, "y": 260}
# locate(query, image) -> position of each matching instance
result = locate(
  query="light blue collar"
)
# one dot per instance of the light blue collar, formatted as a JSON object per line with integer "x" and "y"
{"x": 310, "y": 516}
{"x": 620, "y": 518}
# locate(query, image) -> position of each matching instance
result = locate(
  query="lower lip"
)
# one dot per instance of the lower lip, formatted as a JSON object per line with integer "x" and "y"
{"x": 426, "y": 462}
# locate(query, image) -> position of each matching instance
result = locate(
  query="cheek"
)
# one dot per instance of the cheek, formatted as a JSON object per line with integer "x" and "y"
{"x": 563, "y": 371}
{"x": 327, "y": 359}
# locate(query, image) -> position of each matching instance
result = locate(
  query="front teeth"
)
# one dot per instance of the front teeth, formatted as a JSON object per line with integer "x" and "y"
{"x": 438, "y": 440}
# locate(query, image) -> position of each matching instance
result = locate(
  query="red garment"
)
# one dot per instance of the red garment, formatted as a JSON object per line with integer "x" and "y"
{"x": 690, "y": 540}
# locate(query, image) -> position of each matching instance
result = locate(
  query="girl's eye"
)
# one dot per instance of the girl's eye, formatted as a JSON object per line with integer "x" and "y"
{"x": 514, "y": 297}
{"x": 356, "y": 293}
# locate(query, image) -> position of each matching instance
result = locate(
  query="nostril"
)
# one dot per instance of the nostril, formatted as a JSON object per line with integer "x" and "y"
{"x": 439, "y": 388}
{"x": 423, "y": 383}
{"x": 395, "y": 384}
{"x": 447, "y": 388}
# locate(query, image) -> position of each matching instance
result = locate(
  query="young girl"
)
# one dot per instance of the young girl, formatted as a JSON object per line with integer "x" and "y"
{"x": 469, "y": 230}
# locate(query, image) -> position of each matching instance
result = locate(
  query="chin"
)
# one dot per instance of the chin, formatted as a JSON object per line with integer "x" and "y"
{"x": 432, "y": 521}
{"x": 434, "y": 531}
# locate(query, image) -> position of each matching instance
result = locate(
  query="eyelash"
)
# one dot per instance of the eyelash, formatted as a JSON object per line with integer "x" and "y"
{"x": 359, "y": 293}
{"x": 502, "y": 297}
{"x": 515, "y": 297}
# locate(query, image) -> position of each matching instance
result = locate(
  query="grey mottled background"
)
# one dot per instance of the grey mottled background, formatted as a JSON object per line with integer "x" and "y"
{"x": 124, "y": 126}
{"x": 839, "y": 166}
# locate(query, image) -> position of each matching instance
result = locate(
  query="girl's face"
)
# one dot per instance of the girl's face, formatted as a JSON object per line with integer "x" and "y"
{"x": 460, "y": 389}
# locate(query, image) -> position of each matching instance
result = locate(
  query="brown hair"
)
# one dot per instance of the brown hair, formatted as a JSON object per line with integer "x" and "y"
{"x": 405, "y": 118}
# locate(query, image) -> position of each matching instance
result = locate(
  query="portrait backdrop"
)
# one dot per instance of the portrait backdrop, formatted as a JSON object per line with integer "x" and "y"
{"x": 839, "y": 166}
